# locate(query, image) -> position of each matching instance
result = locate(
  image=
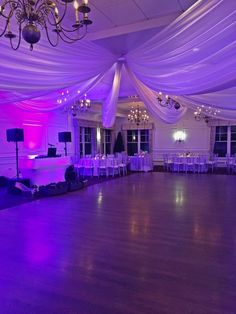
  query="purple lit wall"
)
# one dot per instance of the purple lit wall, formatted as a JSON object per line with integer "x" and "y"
{"x": 39, "y": 130}
{"x": 34, "y": 136}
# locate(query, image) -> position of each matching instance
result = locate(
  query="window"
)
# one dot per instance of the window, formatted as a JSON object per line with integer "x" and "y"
{"x": 220, "y": 146}
{"x": 106, "y": 142}
{"x": 132, "y": 142}
{"x": 144, "y": 140}
{"x": 233, "y": 140}
{"x": 225, "y": 140}
{"x": 137, "y": 140}
{"x": 85, "y": 141}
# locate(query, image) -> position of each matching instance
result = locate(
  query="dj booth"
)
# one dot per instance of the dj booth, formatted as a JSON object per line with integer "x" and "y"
{"x": 42, "y": 171}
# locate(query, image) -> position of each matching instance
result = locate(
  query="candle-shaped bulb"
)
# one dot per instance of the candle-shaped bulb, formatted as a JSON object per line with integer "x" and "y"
{"x": 76, "y": 6}
{"x": 56, "y": 15}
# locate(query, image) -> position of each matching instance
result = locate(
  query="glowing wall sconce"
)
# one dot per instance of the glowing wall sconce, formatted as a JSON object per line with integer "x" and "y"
{"x": 179, "y": 136}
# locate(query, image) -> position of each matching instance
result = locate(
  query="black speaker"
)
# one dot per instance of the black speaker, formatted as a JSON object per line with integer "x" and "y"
{"x": 64, "y": 137}
{"x": 15, "y": 135}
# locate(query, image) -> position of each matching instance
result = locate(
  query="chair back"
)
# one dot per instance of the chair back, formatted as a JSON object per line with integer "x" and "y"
{"x": 102, "y": 162}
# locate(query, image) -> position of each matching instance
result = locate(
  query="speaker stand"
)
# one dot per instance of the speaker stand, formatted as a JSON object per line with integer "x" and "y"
{"x": 65, "y": 148}
{"x": 17, "y": 161}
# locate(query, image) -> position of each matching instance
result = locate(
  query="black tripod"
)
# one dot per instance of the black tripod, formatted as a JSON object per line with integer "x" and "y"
{"x": 65, "y": 148}
{"x": 17, "y": 160}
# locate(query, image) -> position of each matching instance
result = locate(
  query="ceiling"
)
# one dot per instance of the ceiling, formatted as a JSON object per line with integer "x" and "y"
{"x": 108, "y": 14}
{"x": 120, "y": 25}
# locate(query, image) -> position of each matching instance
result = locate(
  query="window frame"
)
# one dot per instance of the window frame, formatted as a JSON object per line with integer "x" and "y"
{"x": 226, "y": 139}
{"x": 106, "y": 144}
{"x": 84, "y": 141}
{"x": 137, "y": 141}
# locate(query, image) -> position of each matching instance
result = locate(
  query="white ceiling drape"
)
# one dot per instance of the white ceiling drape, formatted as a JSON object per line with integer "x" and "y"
{"x": 148, "y": 96}
{"x": 193, "y": 55}
{"x": 193, "y": 58}
{"x": 110, "y": 104}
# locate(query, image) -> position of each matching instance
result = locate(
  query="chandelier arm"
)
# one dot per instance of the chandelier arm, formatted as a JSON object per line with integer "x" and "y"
{"x": 49, "y": 39}
{"x": 10, "y": 13}
{"x": 19, "y": 40}
{"x": 44, "y": 6}
{"x": 36, "y": 6}
{"x": 43, "y": 13}
{"x": 8, "y": 3}
{"x": 19, "y": 3}
{"x": 71, "y": 30}
{"x": 80, "y": 25}
{"x": 7, "y": 20}
{"x": 69, "y": 40}
{"x": 162, "y": 104}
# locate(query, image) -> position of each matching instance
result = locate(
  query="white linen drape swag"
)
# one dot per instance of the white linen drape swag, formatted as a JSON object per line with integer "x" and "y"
{"x": 192, "y": 58}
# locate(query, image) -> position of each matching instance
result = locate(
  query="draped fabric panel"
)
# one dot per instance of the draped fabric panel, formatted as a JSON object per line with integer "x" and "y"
{"x": 109, "y": 107}
{"x": 195, "y": 54}
{"x": 32, "y": 74}
{"x": 193, "y": 58}
{"x": 149, "y": 98}
{"x": 49, "y": 102}
{"x": 227, "y": 114}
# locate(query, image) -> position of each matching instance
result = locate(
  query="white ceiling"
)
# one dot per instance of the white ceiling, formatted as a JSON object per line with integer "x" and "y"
{"x": 108, "y": 14}
{"x": 120, "y": 25}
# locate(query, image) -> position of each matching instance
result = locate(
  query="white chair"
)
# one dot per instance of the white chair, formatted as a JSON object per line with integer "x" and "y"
{"x": 177, "y": 164}
{"x": 122, "y": 165}
{"x": 201, "y": 164}
{"x": 147, "y": 163}
{"x": 212, "y": 162}
{"x": 102, "y": 167}
{"x": 167, "y": 162}
{"x": 88, "y": 166}
{"x": 113, "y": 166}
{"x": 79, "y": 168}
{"x": 230, "y": 163}
{"x": 233, "y": 164}
{"x": 189, "y": 165}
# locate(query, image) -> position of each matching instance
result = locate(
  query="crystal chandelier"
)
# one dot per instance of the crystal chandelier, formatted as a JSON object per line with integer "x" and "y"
{"x": 23, "y": 18}
{"x": 167, "y": 101}
{"x": 205, "y": 113}
{"x": 81, "y": 105}
{"x": 138, "y": 116}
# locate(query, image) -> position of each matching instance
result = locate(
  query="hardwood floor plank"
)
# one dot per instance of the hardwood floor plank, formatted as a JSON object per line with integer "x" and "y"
{"x": 145, "y": 243}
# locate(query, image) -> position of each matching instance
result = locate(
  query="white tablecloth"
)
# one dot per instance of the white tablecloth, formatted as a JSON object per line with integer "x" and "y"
{"x": 141, "y": 163}
{"x": 45, "y": 170}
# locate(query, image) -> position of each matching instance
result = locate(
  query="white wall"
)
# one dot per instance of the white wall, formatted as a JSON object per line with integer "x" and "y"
{"x": 197, "y": 140}
{"x": 39, "y": 130}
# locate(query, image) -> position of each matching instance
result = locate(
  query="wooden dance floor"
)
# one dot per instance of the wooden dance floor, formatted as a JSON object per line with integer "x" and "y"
{"x": 146, "y": 243}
